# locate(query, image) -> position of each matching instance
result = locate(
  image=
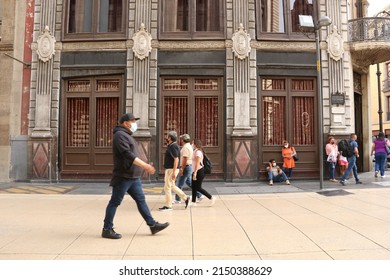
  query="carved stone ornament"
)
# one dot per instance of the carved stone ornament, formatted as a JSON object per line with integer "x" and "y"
{"x": 335, "y": 45}
{"x": 45, "y": 45}
{"x": 142, "y": 43}
{"x": 241, "y": 43}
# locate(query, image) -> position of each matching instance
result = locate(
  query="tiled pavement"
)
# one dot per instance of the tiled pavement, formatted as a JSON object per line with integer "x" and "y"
{"x": 249, "y": 221}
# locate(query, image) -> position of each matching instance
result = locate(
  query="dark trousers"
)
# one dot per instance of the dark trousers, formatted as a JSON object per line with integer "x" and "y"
{"x": 197, "y": 186}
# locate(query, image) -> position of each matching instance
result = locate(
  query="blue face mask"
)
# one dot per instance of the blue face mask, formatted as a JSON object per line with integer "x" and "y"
{"x": 134, "y": 127}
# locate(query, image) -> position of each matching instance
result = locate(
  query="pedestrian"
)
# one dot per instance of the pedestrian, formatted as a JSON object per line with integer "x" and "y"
{"x": 343, "y": 164}
{"x": 185, "y": 171}
{"x": 379, "y": 149}
{"x": 288, "y": 154}
{"x": 332, "y": 153}
{"x": 171, "y": 165}
{"x": 198, "y": 174}
{"x": 275, "y": 173}
{"x": 352, "y": 161}
{"x": 126, "y": 177}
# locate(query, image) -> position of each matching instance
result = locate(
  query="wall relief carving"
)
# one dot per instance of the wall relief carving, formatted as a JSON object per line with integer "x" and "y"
{"x": 335, "y": 45}
{"x": 142, "y": 43}
{"x": 241, "y": 43}
{"x": 45, "y": 45}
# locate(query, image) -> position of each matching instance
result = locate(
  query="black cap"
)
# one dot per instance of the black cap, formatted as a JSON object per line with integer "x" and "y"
{"x": 127, "y": 117}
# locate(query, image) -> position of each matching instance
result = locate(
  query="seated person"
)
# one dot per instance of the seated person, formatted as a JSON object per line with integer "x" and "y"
{"x": 275, "y": 173}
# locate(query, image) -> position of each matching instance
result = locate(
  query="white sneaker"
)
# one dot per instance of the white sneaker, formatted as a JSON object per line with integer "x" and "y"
{"x": 212, "y": 200}
{"x": 271, "y": 182}
{"x": 192, "y": 204}
{"x": 287, "y": 182}
{"x": 199, "y": 199}
{"x": 176, "y": 201}
{"x": 384, "y": 176}
{"x": 376, "y": 173}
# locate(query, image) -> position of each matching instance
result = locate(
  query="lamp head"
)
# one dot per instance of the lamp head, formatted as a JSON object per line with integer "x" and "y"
{"x": 324, "y": 21}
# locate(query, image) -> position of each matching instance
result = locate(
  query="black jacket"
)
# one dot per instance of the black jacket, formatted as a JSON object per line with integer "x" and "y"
{"x": 125, "y": 150}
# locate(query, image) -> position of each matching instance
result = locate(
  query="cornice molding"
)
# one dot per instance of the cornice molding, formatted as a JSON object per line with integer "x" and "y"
{"x": 284, "y": 46}
{"x": 189, "y": 45}
{"x": 93, "y": 46}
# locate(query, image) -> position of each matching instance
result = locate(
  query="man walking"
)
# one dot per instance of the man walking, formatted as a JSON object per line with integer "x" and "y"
{"x": 352, "y": 161}
{"x": 126, "y": 177}
{"x": 171, "y": 165}
{"x": 185, "y": 171}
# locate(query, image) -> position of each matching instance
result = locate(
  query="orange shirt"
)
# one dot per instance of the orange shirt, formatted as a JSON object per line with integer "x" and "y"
{"x": 288, "y": 161}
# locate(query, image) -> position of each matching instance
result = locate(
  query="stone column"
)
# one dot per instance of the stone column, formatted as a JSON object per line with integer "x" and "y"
{"x": 43, "y": 72}
{"x": 141, "y": 57}
{"x": 242, "y": 91}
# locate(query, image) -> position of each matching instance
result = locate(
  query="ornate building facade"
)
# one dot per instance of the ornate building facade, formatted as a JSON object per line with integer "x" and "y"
{"x": 241, "y": 75}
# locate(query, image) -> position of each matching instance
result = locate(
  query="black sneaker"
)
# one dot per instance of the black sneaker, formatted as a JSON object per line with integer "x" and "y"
{"x": 158, "y": 227}
{"x": 165, "y": 208}
{"x": 110, "y": 233}
{"x": 187, "y": 201}
{"x": 359, "y": 182}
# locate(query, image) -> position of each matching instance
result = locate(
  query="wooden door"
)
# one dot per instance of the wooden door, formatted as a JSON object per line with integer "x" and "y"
{"x": 90, "y": 112}
{"x": 193, "y": 105}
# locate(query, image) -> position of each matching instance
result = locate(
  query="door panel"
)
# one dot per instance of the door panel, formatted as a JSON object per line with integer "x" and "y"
{"x": 91, "y": 113}
{"x": 288, "y": 111}
{"x": 193, "y": 105}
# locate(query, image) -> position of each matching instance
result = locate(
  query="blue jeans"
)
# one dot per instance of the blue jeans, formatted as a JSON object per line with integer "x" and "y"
{"x": 351, "y": 167}
{"x": 332, "y": 166}
{"x": 380, "y": 162}
{"x": 277, "y": 178}
{"x": 186, "y": 178}
{"x": 134, "y": 188}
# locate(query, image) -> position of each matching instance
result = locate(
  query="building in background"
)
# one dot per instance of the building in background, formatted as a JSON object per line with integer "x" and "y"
{"x": 241, "y": 75}
{"x": 380, "y": 103}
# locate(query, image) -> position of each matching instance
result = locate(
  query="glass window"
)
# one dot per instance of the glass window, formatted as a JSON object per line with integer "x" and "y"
{"x": 281, "y": 17}
{"x": 191, "y": 19}
{"x": 88, "y": 18}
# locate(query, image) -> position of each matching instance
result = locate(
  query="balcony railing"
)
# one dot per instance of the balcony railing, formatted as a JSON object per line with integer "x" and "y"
{"x": 369, "y": 29}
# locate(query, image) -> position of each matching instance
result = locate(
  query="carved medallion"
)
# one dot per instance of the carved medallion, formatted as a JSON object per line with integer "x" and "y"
{"x": 142, "y": 43}
{"x": 45, "y": 45}
{"x": 335, "y": 45}
{"x": 241, "y": 43}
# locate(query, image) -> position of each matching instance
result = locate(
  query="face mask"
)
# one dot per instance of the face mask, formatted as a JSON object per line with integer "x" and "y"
{"x": 274, "y": 164}
{"x": 286, "y": 146}
{"x": 134, "y": 127}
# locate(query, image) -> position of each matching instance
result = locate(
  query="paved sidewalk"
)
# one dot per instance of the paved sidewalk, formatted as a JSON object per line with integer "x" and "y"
{"x": 250, "y": 221}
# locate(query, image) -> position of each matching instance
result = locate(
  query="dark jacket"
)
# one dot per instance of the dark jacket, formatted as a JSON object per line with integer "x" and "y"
{"x": 125, "y": 150}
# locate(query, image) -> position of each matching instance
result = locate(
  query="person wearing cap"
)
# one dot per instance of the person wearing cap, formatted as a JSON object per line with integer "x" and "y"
{"x": 126, "y": 177}
{"x": 185, "y": 171}
{"x": 171, "y": 165}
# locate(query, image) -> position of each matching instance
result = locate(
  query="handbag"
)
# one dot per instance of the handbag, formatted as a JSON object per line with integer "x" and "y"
{"x": 296, "y": 158}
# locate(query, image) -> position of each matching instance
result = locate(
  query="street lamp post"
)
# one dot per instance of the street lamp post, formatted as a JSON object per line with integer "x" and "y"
{"x": 323, "y": 21}
{"x": 380, "y": 111}
{"x": 306, "y": 22}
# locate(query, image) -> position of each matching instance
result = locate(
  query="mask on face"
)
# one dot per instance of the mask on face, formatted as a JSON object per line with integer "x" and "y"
{"x": 274, "y": 164}
{"x": 286, "y": 146}
{"x": 134, "y": 127}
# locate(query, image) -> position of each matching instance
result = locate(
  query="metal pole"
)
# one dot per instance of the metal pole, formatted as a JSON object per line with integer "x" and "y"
{"x": 380, "y": 111}
{"x": 320, "y": 108}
